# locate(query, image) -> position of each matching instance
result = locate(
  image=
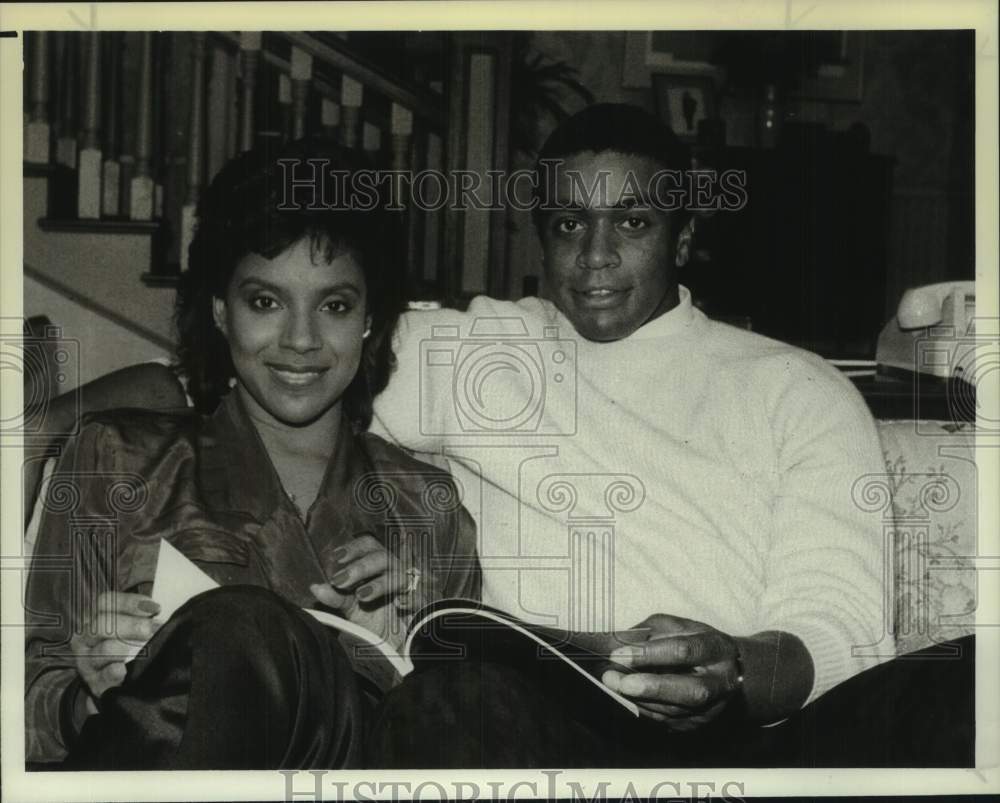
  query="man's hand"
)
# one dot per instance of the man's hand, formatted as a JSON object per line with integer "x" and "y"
{"x": 369, "y": 586}
{"x": 121, "y": 625}
{"x": 687, "y": 672}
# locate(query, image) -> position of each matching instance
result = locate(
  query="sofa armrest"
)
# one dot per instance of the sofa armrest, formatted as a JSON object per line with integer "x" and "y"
{"x": 931, "y": 472}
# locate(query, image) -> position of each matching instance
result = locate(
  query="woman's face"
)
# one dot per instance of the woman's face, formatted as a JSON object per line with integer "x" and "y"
{"x": 295, "y": 328}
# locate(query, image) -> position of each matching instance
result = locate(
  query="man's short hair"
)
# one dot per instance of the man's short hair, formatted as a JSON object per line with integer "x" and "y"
{"x": 617, "y": 127}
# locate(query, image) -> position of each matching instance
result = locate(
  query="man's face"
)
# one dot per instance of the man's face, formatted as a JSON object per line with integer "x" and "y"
{"x": 608, "y": 254}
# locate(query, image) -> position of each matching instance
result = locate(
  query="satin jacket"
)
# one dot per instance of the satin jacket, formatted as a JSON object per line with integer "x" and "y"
{"x": 207, "y": 485}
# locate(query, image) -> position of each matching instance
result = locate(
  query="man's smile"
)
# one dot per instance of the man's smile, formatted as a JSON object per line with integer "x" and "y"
{"x": 600, "y": 297}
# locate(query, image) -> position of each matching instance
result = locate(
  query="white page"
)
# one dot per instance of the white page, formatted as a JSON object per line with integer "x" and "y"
{"x": 177, "y": 579}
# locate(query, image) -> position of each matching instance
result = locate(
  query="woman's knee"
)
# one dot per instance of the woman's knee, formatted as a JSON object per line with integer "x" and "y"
{"x": 251, "y": 624}
{"x": 235, "y": 603}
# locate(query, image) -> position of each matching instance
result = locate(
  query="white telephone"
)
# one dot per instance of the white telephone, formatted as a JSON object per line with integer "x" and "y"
{"x": 933, "y": 332}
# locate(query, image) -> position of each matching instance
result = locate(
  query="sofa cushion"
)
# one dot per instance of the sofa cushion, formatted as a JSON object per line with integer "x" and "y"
{"x": 931, "y": 473}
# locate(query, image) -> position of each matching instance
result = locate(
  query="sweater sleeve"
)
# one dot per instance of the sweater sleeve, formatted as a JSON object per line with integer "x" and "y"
{"x": 71, "y": 565}
{"x": 824, "y": 570}
{"x": 419, "y": 408}
{"x": 410, "y": 411}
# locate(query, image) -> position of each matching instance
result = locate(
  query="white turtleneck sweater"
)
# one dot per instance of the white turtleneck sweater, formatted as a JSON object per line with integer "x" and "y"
{"x": 691, "y": 468}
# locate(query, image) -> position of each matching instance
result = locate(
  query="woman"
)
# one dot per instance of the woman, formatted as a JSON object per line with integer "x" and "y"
{"x": 273, "y": 488}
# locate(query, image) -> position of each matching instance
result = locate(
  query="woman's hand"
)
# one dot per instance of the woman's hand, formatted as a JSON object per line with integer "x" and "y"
{"x": 100, "y": 658}
{"x": 688, "y": 672}
{"x": 371, "y": 587}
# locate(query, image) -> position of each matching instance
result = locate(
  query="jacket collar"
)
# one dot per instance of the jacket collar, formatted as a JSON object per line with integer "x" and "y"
{"x": 237, "y": 473}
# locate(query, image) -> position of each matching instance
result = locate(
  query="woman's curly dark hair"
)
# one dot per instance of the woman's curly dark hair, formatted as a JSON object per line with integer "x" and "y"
{"x": 245, "y": 210}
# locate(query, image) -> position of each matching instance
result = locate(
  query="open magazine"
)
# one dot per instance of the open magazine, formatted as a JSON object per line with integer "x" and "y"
{"x": 570, "y": 663}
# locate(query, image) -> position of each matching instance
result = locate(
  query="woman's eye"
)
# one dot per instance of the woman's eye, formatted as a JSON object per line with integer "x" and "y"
{"x": 337, "y": 306}
{"x": 263, "y": 303}
{"x": 567, "y": 225}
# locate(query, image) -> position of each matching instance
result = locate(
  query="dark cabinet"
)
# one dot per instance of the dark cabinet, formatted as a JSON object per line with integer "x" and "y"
{"x": 805, "y": 259}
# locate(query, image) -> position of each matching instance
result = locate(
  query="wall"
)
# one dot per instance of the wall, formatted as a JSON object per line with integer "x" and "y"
{"x": 597, "y": 56}
{"x": 104, "y": 345}
{"x": 90, "y": 285}
{"x": 917, "y": 105}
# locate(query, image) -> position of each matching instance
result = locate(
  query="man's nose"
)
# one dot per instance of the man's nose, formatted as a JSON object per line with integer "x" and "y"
{"x": 301, "y": 332}
{"x": 600, "y": 248}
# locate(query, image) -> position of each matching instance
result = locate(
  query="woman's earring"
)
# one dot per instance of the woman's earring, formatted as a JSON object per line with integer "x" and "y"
{"x": 232, "y": 382}
{"x": 684, "y": 244}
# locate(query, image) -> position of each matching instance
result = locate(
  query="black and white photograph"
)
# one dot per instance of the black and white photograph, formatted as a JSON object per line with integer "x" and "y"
{"x": 612, "y": 413}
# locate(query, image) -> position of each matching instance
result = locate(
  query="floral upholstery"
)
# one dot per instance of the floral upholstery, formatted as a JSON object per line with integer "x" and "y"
{"x": 930, "y": 529}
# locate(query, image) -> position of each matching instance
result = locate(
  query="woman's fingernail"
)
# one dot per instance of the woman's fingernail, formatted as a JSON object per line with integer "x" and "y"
{"x": 631, "y": 684}
{"x": 341, "y": 578}
{"x": 366, "y": 592}
{"x": 149, "y": 606}
{"x": 339, "y": 554}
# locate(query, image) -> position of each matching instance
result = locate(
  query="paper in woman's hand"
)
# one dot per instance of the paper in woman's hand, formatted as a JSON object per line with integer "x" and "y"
{"x": 177, "y": 580}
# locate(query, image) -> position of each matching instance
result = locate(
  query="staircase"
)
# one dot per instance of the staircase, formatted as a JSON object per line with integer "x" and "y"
{"x": 123, "y": 129}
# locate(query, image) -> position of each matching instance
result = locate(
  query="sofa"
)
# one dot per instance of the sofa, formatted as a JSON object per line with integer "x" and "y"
{"x": 926, "y": 508}
{"x": 927, "y": 505}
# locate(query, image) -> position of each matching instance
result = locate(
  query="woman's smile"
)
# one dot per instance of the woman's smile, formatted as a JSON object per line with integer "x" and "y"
{"x": 296, "y": 376}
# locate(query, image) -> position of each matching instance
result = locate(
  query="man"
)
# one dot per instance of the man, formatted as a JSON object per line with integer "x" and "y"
{"x": 633, "y": 463}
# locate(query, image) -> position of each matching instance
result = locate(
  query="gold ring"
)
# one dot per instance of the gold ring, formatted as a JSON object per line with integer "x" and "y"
{"x": 414, "y": 580}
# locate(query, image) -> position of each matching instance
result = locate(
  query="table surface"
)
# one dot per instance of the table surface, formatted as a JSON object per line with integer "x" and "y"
{"x": 906, "y": 395}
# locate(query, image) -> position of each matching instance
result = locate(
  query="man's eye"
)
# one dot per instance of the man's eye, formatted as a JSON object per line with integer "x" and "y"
{"x": 263, "y": 303}
{"x": 634, "y": 223}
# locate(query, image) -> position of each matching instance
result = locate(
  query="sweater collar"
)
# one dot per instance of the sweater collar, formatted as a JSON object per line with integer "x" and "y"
{"x": 673, "y": 323}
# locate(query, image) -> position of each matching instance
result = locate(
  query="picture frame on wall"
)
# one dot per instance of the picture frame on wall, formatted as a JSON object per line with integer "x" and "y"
{"x": 840, "y": 76}
{"x": 683, "y": 101}
{"x": 675, "y": 52}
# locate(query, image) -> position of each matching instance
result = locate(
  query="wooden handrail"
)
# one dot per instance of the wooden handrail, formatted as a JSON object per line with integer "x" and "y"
{"x": 425, "y": 104}
{"x": 249, "y": 58}
{"x": 196, "y": 136}
{"x": 40, "y": 78}
{"x": 144, "y": 126}
{"x": 36, "y": 140}
{"x": 421, "y": 102}
{"x": 325, "y": 88}
{"x": 92, "y": 93}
